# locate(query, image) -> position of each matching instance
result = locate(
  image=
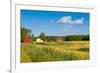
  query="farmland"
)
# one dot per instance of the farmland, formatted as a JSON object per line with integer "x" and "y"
{"x": 54, "y": 51}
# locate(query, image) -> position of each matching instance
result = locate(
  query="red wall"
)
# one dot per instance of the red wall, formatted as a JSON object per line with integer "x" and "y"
{"x": 27, "y": 40}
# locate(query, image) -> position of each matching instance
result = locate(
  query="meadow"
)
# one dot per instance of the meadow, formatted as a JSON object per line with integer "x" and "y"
{"x": 54, "y": 51}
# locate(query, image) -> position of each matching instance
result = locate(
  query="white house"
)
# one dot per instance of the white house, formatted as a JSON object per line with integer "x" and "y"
{"x": 39, "y": 40}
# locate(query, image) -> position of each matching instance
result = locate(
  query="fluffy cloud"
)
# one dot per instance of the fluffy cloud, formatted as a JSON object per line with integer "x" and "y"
{"x": 69, "y": 20}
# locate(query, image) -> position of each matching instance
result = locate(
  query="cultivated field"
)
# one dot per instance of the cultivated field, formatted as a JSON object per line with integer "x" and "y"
{"x": 54, "y": 51}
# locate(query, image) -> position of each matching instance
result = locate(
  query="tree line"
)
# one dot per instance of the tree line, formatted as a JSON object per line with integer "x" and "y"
{"x": 28, "y": 33}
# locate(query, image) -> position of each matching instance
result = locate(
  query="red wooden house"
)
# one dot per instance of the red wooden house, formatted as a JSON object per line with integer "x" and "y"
{"x": 27, "y": 40}
{"x": 59, "y": 40}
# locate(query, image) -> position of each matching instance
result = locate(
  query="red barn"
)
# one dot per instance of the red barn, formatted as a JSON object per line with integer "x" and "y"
{"x": 27, "y": 40}
{"x": 59, "y": 39}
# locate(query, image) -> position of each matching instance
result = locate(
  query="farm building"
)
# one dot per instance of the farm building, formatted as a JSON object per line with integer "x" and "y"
{"x": 59, "y": 39}
{"x": 27, "y": 40}
{"x": 46, "y": 39}
{"x": 38, "y": 40}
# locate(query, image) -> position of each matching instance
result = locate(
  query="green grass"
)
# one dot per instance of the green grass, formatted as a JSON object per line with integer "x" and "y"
{"x": 54, "y": 51}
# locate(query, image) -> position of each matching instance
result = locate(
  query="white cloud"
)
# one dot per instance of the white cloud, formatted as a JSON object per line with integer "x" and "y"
{"x": 69, "y": 20}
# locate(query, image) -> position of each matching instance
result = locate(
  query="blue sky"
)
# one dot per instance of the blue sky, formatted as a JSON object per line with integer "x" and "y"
{"x": 54, "y": 23}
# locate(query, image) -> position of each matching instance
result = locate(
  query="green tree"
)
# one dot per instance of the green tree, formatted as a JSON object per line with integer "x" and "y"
{"x": 33, "y": 38}
{"x": 42, "y": 35}
{"x": 25, "y": 33}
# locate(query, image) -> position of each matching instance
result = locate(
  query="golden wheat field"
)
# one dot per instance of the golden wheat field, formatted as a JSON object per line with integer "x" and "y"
{"x": 54, "y": 51}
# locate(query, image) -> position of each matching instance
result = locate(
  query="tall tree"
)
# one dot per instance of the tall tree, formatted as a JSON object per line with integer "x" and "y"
{"x": 33, "y": 38}
{"x": 42, "y": 35}
{"x": 25, "y": 33}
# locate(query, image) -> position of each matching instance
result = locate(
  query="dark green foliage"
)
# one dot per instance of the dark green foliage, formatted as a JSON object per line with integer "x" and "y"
{"x": 70, "y": 38}
{"x": 77, "y": 38}
{"x": 33, "y": 38}
{"x": 42, "y": 35}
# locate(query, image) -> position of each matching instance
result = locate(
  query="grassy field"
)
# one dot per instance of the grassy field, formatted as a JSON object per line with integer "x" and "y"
{"x": 54, "y": 51}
